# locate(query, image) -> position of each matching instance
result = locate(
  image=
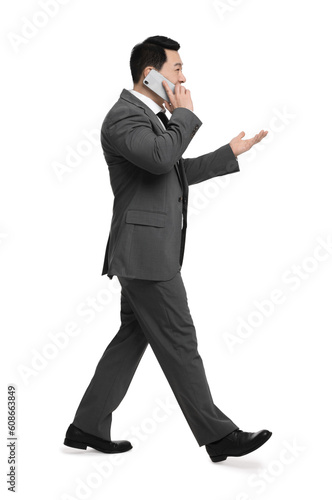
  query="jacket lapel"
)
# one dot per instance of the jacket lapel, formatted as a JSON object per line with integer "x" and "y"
{"x": 128, "y": 96}
{"x": 179, "y": 168}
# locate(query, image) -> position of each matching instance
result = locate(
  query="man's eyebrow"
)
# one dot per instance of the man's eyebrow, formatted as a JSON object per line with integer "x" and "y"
{"x": 178, "y": 64}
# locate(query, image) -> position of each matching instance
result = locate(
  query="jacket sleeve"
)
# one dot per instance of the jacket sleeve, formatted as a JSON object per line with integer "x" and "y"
{"x": 130, "y": 135}
{"x": 219, "y": 162}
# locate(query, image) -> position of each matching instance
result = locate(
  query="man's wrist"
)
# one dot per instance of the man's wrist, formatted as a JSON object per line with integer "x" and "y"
{"x": 232, "y": 150}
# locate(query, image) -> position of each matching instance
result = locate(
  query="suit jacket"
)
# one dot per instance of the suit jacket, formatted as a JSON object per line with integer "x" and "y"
{"x": 150, "y": 179}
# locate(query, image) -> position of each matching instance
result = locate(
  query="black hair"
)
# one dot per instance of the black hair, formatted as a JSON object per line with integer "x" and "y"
{"x": 151, "y": 52}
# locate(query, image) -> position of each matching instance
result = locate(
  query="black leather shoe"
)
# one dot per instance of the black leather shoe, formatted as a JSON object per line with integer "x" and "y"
{"x": 79, "y": 439}
{"x": 236, "y": 444}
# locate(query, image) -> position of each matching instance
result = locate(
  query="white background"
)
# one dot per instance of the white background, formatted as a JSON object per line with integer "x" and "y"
{"x": 247, "y": 63}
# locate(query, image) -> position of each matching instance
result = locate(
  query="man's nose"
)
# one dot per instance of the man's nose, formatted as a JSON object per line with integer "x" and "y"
{"x": 182, "y": 78}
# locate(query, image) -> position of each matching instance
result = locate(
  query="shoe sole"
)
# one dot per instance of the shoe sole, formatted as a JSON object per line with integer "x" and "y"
{"x": 220, "y": 458}
{"x": 83, "y": 446}
{"x": 75, "y": 444}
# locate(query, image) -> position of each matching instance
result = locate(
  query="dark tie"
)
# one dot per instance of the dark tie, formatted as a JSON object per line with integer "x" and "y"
{"x": 163, "y": 118}
{"x": 184, "y": 198}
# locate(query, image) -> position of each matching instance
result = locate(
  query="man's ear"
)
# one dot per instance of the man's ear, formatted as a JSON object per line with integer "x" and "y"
{"x": 147, "y": 71}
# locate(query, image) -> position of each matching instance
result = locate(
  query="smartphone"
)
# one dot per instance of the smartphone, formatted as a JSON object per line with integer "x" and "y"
{"x": 154, "y": 82}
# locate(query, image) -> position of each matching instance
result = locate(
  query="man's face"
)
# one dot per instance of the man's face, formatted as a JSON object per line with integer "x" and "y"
{"x": 172, "y": 68}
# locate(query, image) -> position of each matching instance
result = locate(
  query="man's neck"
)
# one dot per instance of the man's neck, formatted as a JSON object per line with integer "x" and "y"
{"x": 142, "y": 89}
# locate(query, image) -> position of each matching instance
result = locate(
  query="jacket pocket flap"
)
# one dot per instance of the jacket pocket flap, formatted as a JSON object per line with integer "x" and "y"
{"x": 145, "y": 218}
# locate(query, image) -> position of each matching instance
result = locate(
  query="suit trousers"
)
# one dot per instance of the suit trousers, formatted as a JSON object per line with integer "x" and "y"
{"x": 155, "y": 313}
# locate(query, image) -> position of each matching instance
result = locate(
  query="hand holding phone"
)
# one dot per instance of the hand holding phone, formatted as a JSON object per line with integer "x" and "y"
{"x": 180, "y": 99}
{"x": 154, "y": 82}
{"x": 175, "y": 96}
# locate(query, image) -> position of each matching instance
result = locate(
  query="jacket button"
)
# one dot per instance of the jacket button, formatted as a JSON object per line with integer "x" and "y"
{"x": 180, "y": 199}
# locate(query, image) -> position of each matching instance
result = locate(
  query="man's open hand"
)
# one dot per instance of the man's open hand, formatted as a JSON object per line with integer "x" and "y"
{"x": 240, "y": 145}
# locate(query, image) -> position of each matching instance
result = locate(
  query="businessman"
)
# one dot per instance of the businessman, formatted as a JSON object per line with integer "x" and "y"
{"x": 145, "y": 248}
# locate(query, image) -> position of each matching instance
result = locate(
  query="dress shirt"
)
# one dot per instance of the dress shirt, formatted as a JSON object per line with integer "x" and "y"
{"x": 149, "y": 102}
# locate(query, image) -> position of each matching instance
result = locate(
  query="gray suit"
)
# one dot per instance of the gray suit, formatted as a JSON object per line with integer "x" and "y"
{"x": 145, "y": 236}
{"x": 150, "y": 179}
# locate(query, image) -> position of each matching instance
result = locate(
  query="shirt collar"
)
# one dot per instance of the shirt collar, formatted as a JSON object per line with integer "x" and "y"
{"x": 148, "y": 101}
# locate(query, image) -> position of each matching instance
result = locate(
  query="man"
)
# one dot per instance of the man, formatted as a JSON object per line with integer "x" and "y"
{"x": 145, "y": 249}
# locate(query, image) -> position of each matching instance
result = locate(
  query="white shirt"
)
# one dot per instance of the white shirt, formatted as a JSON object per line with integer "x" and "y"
{"x": 149, "y": 102}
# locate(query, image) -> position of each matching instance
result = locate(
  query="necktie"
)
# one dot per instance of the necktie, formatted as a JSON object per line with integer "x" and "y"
{"x": 163, "y": 118}
{"x": 178, "y": 165}
{"x": 180, "y": 169}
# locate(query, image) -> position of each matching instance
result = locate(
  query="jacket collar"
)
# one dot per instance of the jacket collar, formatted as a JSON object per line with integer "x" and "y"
{"x": 128, "y": 96}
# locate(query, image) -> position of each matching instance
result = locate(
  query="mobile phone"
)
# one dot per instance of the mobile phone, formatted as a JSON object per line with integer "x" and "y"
{"x": 154, "y": 82}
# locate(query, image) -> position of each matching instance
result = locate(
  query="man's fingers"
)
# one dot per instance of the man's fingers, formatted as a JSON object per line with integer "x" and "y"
{"x": 168, "y": 90}
{"x": 169, "y": 94}
{"x": 258, "y": 137}
{"x": 261, "y": 135}
{"x": 167, "y": 105}
{"x": 245, "y": 145}
{"x": 177, "y": 88}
